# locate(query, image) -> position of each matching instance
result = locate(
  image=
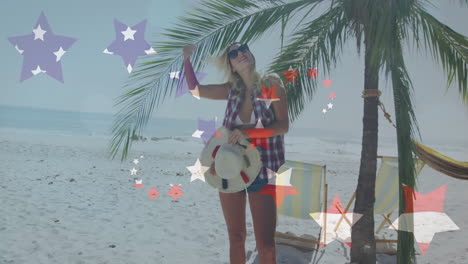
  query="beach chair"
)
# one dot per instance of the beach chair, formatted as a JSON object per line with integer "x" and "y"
{"x": 386, "y": 191}
{"x": 310, "y": 181}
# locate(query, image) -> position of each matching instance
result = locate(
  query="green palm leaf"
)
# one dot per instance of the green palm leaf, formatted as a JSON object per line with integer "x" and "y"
{"x": 315, "y": 43}
{"x": 385, "y": 24}
{"x": 405, "y": 121}
{"x": 211, "y": 28}
{"x": 390, "y": 31}
{"x": 446, "y": 46}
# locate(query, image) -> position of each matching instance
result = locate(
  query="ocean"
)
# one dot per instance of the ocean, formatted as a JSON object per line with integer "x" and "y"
{"x": 81, "y": 123}
{"x": 100, "y": 124}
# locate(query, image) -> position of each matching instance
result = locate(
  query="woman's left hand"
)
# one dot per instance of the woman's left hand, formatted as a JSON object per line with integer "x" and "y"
{"x": 236, "y": 136}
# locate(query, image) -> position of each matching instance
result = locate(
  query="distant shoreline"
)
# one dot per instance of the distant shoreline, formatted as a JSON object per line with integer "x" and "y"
{"x": 51, "y": 121}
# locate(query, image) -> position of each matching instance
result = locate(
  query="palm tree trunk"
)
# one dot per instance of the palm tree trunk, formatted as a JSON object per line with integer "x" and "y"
{"x": 363, "y": 240}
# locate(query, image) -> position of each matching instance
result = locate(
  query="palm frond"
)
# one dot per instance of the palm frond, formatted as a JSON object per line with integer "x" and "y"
{"x": 315, "y": 43}
{"x": 446, "y": 46}
{"x": 405, "y": 120}
{"x": 385, "y": 22}
{"x": 406, "y": 160}
{"x": 212, "y": 27}
{"x": 392, "y": 58}
{"x": 406, "y": 124}
{"x": 463, "y": 2}
{"x": 284, "y": 23}
{"x": 390, "y": 29}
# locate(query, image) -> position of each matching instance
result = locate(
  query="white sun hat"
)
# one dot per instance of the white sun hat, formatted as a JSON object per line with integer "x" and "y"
{"x": 236, "y": 166}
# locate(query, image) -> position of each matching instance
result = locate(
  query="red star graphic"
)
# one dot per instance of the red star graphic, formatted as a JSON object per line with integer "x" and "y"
{"x": 153, "y": 193}
{"x": 416, "y": 202}
{"x": 268, "y": 93}
{"x": 262, "y": 142}
{"x": 259, "y": 137}
{"x": 312, "y": 73}
{"x": 336, "y": 216}
{"x": 431, "y": 202}
{"x": 332, "y": 95}
{"x": 218, "y": 135}
{"x": 290, "y": 75}
{"x": 138, "y": 185}
{"x": 327, "y": 82}
{"x": 336, "y": 207}
{"x": 278, "y": 192}
{"x": 259, "y": 132}
{"x": 175, "y": 192}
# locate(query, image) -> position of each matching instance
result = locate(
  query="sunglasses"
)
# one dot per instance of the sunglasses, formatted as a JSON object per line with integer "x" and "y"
{"x": 234, "y": 53}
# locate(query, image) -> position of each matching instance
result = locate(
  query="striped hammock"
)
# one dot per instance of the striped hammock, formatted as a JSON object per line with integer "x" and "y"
{"x": 442, "y": 163}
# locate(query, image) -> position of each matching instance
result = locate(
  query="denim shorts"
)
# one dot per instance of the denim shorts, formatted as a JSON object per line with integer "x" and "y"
{"x": 256, "y": 186}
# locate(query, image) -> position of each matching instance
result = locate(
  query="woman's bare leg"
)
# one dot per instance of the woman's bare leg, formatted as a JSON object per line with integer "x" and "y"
{"x": 263, "y": 209}
{"x": 233, "y": 205}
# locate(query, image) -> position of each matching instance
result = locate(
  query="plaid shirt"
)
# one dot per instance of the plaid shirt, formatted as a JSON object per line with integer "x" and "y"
{"x": 273, "y": 157}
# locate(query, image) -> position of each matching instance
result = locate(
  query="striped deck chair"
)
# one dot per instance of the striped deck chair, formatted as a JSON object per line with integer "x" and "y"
{"x": 386, "y": 191}
{"x": 309, "y": 180}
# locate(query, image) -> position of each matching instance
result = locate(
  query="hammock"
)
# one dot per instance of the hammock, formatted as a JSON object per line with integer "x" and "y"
{"x": 442, "y": 163}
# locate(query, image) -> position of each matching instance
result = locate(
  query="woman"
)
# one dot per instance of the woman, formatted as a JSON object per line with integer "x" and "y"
{"x": 243, "y": 112}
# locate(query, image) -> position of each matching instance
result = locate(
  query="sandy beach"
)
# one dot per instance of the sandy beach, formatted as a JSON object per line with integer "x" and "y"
{"x": 64, "y": 202}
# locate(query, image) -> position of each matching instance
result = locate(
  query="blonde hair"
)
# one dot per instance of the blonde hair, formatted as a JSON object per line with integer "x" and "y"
{"x": 224, "y": 64}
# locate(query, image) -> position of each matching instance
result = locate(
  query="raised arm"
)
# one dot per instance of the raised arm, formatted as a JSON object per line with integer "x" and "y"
{"x": 211, "y": 91}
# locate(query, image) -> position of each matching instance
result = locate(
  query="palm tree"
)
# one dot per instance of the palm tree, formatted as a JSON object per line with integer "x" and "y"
{"x": 382, "y": 25}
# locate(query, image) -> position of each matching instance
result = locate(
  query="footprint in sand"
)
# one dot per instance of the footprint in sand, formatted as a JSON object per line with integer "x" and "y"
{"x": 169, "y": 232}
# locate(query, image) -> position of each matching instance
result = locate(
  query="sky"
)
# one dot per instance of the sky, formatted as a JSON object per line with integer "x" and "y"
{"x": 93, "y": 79}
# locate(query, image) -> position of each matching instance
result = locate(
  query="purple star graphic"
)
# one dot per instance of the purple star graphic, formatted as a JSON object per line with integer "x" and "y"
{"x": 42, "y": 50}
{"x": 182, "y": 86}
{"x": 129, "y": 43}
{"x": 208, "y": 128}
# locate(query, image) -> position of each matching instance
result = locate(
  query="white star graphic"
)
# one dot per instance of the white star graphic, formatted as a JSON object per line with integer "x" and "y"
{"x": 195, "y": 92}
{"x": 343, "y": 232}
{"x": 133, "y": 171}
{"x": 128, "y": 34}
{"x": 424, "y": 225}
{"x": 39, "y": 33}
{"x": 268, "y": 101}
{"x": 59, "y": 53}
{"x": 20, "y": 51}
{"x": 197, "y": 133}
{"x": 106, "y": 51}
{"x": 284, "y": 179}
{"x": 37, "y": 70}
{"x": 271, "y": 176}
{"x": 338, "y": 223}
{"x": 129, "y": 68}
{"x": 174, "y": 74}
{"x": 330, "y": 105}
{"x": 141, "y": 156}
{"x": 150, "y": 51}
{"x": 259, "y": 124}
{"x": 324, "y": 110}
{"x": 135, "y": 161}
{"x": 138, "y": 181}
{"x": 197, "y": 171}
